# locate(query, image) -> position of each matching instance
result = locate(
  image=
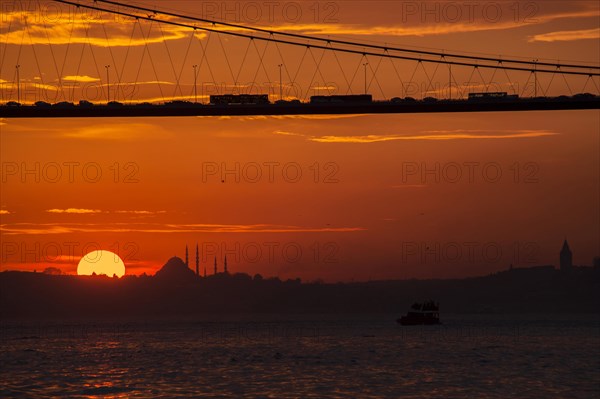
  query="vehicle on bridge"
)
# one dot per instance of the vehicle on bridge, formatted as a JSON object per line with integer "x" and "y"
{"x": 493, "y": 96}
{"x": 342, "y": 99}
{"x": 227, "y": 99}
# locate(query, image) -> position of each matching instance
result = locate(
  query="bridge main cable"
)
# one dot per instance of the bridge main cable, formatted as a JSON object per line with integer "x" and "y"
{"x": 386, "y": 54}
{"x": 349, "y": 43}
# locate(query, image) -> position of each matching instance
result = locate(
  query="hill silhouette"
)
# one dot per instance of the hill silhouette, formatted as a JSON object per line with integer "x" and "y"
{"x": 176, "y": 291}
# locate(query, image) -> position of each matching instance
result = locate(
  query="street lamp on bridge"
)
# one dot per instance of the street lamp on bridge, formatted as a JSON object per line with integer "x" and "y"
{"x": 195, "y": 83}
{"x": 17, "y": 67}
{"x": 280, "y": 83}
{"x": 365, "y": 65}
{"x": 535, "y": 77}
{"x": 107, "y": 83}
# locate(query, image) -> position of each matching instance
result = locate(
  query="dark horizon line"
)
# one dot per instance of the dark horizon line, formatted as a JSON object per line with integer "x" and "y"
{"x": 537, "y": 268}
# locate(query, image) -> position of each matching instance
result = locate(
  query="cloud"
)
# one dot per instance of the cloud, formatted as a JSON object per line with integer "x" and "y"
{"x": 74, "y": 210}
{"x": 284, "y": 133}
{"x": 566, "y": 35}
{"x": 4, "y": 212}
{"x": 394, "y": 30}
{"x": 84, "y": 78}
{"x": 28, "y": 84}
{"x": 88, "y": 211}
{"x": 77, "y": 26}
{"x": 119, "y": 131}
{"x": 250, "y": 118}
{"x": 427, "y": 135}
{"x": 420, "y": 25}
{"x": 102, "y": 30}
{"x": 142, "y": 213}
{"x": 284, "y": 117}
{"x": 318, "y": 117}
{"x": 155, "y": 228}
{"x": 260, "y": 228}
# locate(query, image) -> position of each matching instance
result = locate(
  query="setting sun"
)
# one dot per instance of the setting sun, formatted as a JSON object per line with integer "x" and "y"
{"x": 101, "y": 262}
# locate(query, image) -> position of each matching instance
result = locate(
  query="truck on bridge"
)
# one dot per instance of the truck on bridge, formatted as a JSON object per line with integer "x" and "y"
{"x": 227, "y": 99}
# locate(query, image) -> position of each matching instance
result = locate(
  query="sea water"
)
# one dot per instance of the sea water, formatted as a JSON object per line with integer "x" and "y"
{"x": 304, "y": 357}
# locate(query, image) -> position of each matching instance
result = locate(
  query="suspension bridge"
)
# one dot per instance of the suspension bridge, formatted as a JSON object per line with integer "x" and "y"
{"x": 107, "y": 58}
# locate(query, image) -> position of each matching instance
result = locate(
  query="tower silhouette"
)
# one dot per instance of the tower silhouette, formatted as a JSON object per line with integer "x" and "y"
{"x": 187, "y": 264}
{"x": 566, "y": 257}
{"x": 225, "y": 264}
{"x": 197, "y": 261}
{"x": 215, "y": 265}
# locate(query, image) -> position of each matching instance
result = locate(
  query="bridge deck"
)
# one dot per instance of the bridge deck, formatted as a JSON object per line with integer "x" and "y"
{"x": 291, "y": 109}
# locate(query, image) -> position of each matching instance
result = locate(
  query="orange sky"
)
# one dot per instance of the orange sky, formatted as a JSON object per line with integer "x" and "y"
{"x": 367, "y": 208}
{"x": 361, "y": 208}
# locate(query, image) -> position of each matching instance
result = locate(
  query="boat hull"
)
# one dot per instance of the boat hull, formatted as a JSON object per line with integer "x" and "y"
{"x": 407, "y": 321}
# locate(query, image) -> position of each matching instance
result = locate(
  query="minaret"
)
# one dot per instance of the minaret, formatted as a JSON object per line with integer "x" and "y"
{"x": 197, "y": 261}
{"x": 187, "y": 264}
{"x": 215, "y": 265}
{"x": 204, "y": 270}
{"x": 566, "y": 257}
{"x": 225, "y": 265}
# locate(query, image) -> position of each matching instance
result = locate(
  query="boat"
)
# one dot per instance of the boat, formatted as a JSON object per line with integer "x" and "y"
{"x": 425, "y": 313}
